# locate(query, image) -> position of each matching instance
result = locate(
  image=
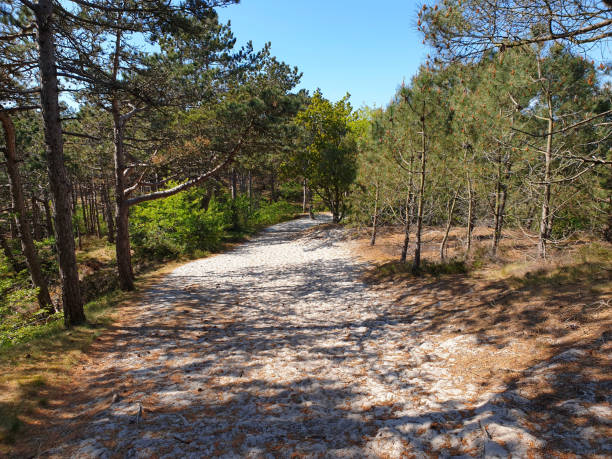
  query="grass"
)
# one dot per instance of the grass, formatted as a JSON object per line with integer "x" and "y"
{"x": 394, "y": 270}
{"x": 35, "y": 369}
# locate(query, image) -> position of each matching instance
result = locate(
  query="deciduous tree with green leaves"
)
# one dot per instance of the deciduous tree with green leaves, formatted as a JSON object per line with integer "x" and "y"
{"x": 330, "y": 149}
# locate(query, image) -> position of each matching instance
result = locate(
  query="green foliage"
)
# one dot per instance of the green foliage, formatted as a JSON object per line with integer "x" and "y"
{"x": 178, "y": 225}
{"x": 274, "y": 212}
{"x": 330, "y": 160}
{"x": 196, "y": 222}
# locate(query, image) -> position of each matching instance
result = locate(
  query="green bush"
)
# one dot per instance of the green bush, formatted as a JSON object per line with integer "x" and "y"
{"x": 182, "y": 225}
{"x": 178, "y": 225}
{"x": 274, "y": 212}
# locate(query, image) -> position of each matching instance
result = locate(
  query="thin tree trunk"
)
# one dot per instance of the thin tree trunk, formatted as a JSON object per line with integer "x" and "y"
{"x": 305, "y": 196}
{"x": 91, "y": 205}
{"x": 8, "y": 253}
{"x": 95, "y": 213}
{"x": 48, "y": 218}
{"x": 36, "y": 226}
{"x": 108, "y": 211}
{"x": 83, "y": 209}
{"x": 12, "y": 225}
{"x": 409, "y": 211}
{"x": 449, "y": 221}
{"x": 234, "y": 184}
{"x": 470, "y": 215}
{"x": 23, "y": 225}
{"x": 250, "y": 191}
{"x": 545, "y": 223}
{"x": 417, "y": 249}
{"x": 375, "y": 217}
{"x": 500, "y": 205}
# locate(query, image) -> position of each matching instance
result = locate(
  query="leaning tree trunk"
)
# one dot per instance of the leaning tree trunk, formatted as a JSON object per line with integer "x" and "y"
{"x": 19, "y": 209}
{"x": 58, "y": 177}
{"x": 449, "y": 221}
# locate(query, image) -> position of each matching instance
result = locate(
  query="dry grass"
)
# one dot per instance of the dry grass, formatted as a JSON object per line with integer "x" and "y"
{"x": 530, "y": 309}
{"x": 36, "y": 375}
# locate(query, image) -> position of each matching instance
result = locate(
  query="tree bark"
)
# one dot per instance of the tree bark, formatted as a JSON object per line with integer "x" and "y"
{"x": 48, "y": 218}
{"x": 500, "y": 207}
{"x": 234, "y": 184}
{"x": 19, "y": 209}
{"x": 95, "y": 213}
{"x": 108, "y": 211}
{"x": 304, "y": 196}
{"x": 36, "y": 226}
{"x": 375, "y": 217}
{"x": 545, "y": 223}
{"x": 417, "y": 249}
{"x": 122, "y": 246}
{"x": 409, "y": 211}
{"x": 59, "y": 182}
{"x": 84, "y": 209}
{"x": 470, "y": 215}
{"x": 449, "y": 221}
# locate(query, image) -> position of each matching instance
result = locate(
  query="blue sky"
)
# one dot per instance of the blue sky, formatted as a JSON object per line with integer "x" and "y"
{"x": 362, "y": 47}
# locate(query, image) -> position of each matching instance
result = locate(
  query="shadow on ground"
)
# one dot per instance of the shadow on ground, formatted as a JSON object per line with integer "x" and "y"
{"x": 211, "y": 368}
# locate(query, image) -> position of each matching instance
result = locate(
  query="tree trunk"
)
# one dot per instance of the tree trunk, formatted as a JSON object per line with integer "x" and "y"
{"x": 23, "y": 225}
{"x": 36, "y": 220}
{"x": 545, "y": 223}
{"x": 13, "y": 226}
{"x": 449, "y": 221}
{"x": 375, "y": 217}
{"x": 417, "y": 249}
{"x": 234, "y": 184}
{"x": 250, "y": 191}
{"x": 409, "y": 211}
{"x": 108, "y": 211}
{"x": 8, "y": 253}
{"x": 48, "y": 218}
{"x": 123, "y": 250}
{"x": 124, "y": 255}
{"x": 500, "y": 206}
{"x": 305, "y": 196}
{"x": 86, "y": 227}
{"x": 470, "y": 215}
{"x": 96, "y": 213}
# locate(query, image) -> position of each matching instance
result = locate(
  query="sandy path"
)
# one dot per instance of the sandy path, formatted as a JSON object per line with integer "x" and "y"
{"x": 277, "y": 349}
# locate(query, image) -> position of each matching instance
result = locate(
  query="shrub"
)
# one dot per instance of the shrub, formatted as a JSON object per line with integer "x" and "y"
{"x": 178, "y": 225}
{"x": 274, "y": 212}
